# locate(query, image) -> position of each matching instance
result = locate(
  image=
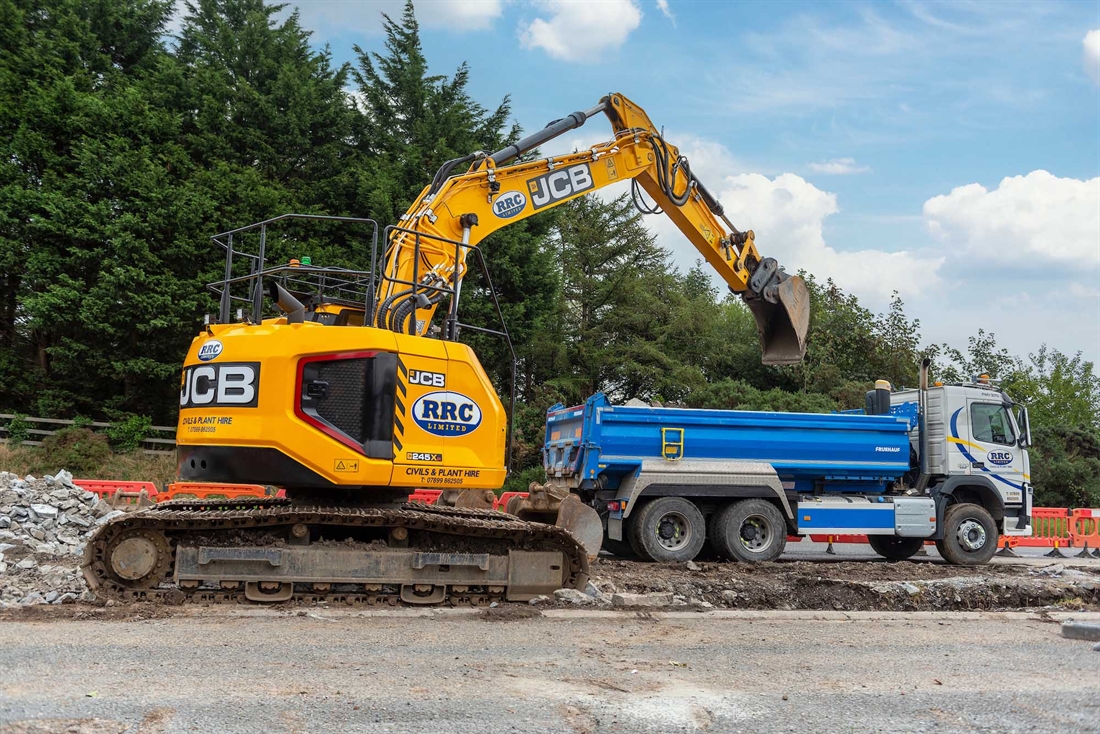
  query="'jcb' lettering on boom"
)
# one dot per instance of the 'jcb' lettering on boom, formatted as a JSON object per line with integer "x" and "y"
{"x": 557, "y": 185}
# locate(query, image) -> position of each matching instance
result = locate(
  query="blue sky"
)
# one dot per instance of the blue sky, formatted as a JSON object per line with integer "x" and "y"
{"x": 947, "y": 151}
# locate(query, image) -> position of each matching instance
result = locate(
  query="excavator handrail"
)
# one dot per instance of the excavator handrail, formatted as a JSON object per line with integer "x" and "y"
{"x": 257, "y": 262}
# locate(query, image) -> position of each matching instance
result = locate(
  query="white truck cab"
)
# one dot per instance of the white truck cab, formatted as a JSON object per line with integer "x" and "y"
{"x": 975, "y": 453}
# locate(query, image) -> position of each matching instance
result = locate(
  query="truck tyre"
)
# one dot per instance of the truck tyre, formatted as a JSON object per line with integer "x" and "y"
{"x": 668, "y": 530}
{"x": 969, "y": 535}
{"x": 894, "y": 549}
{"x": 752, "y": 531}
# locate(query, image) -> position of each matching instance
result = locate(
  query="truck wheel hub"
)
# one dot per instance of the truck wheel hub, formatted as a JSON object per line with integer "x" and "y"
{"x": 754, "y": 533}
{"x": 971, "y": 535}
{"x": 672, "y": 531}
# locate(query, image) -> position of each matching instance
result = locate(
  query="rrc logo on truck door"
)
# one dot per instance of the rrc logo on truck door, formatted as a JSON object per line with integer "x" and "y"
{"x": 552, "y": 187}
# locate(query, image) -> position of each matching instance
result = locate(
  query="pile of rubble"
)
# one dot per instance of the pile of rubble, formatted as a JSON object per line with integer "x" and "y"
{"x": 44, "y": 524}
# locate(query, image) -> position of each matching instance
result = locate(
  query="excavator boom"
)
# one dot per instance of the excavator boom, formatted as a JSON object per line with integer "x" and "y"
{"x": 494, "y": 192}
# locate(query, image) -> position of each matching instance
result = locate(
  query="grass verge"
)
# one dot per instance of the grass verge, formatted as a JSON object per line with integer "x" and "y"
{"x": 131, "y": 467}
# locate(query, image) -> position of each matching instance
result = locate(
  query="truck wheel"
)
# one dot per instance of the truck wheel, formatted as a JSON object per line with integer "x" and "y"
{"x": 894, "y": 549}
{"x": 969, "y": 535}
{"x": 668, "y": 530}
{"x": 750, "y": 530}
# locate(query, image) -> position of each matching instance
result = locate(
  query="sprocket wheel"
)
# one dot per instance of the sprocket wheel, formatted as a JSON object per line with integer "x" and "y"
{"x": 139, "y": 558}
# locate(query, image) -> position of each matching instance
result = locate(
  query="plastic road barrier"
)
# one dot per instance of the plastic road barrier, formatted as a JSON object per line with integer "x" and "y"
{"x": 210, "y": 490}
{"x": 1049, "y": 528}
{"x": 121, "y": 494}
{"x": 427, "y": 496}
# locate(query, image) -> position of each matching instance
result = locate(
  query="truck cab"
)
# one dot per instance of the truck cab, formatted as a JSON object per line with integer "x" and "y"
{"x": 975, "y": 448}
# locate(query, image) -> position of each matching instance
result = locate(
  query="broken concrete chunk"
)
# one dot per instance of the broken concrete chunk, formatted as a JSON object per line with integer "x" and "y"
{"x": 1081, "y": 630}
{"x": 654, "y": 599}
{"x": 44, "y": 511}
{"x": 573, "y": 596}
{"x": 109, "y": 516}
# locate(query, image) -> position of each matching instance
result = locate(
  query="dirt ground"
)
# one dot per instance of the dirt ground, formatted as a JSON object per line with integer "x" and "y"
{"x": 860, "y": 585}
{"x": 835, "y": 585}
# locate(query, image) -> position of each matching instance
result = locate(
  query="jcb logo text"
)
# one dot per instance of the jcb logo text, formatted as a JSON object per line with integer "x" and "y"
{"x": 552, "y": 187}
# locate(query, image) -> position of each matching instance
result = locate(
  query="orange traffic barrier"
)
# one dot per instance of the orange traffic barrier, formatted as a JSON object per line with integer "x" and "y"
{"x": 839, "y": 538}
{"x": 211, "y": 490}
{"x": 1049, "y": 528}
{"x": 502, "y": 501}
{"x": 427, "y": 496}
{"x": 1084, "y": 528}
{"x": 1009, "y": 543}
{"x": 108, "y": 489}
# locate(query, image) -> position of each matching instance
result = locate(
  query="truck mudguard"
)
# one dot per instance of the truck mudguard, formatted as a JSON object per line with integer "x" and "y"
{"x": 697, "y": 478}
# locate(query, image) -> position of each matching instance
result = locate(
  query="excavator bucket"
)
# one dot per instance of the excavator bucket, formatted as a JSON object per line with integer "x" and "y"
{"x": 583, "y": 522}
{"x": 783, "y": 325}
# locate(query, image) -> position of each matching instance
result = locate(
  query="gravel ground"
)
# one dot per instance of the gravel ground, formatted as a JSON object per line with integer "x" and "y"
{"x": 571, "y": 671}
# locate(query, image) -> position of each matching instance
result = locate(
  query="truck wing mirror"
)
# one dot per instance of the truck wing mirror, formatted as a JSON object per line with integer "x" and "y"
{"x": 1024, "y": 425}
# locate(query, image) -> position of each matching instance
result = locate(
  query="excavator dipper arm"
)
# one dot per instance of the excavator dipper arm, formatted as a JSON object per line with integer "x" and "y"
{"x": 494, "y": 192}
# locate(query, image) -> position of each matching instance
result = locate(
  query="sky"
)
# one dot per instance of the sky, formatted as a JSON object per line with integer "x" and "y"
{"x": 946, "y": 151}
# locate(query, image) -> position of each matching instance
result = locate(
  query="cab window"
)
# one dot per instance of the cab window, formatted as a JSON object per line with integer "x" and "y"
{"x": 990, "y": 423}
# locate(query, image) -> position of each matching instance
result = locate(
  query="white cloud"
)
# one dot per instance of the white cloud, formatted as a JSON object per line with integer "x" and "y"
{"x": 662, "y": 5}
{"x": 366, "y": 15}
{"x": 579, "y": 30}
{"x": 1092, "y": 55}
{"x": 787, "y": 214}
{"x": 1033, "y": 220}
{"x": 839, "y": 167}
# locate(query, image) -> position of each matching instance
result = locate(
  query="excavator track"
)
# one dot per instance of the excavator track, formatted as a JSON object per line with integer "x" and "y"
{"x": 270, "y": 550}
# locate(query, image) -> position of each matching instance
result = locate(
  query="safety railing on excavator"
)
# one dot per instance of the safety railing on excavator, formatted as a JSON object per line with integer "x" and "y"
{"x": 343, "y": 285}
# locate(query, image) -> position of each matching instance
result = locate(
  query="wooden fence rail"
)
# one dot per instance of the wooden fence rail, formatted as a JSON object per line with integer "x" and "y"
{"x": 151, "y": 444}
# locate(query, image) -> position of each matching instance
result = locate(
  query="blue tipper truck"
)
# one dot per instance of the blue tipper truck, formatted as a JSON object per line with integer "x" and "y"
{"x": 946, "y": 463}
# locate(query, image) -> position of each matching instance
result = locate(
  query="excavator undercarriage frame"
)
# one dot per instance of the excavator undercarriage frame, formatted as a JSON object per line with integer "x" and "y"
{"x": 270, "y": 550}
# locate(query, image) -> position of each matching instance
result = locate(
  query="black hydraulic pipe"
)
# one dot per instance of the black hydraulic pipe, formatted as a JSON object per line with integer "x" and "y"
{"x": 551, "y": 131}
{"x": 291, "y": 306}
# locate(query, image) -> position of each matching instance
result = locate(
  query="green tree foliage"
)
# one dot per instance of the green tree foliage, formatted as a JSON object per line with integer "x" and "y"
{"x": 19, "y": 430}
{"x": 1065, "y": 466}
{"x": 118, "y": 161}
{"x": 614, "y": 303}
{"x": 127, "y": 435}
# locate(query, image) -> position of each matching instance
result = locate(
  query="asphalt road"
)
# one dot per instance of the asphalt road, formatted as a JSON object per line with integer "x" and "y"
{"x": 571, "y": 671}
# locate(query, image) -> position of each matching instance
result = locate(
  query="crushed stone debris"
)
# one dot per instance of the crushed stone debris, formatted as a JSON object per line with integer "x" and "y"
{"x": 44, "y": 524}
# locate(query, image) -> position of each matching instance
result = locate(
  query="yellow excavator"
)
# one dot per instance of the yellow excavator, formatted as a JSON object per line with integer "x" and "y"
{"x": 352, "y": 391}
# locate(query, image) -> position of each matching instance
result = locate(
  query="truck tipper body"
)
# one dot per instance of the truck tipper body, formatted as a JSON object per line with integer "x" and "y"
{"x": 947, "y": 464}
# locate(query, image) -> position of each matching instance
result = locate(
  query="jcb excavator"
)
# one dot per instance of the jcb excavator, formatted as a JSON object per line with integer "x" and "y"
{"x": 356, "y": 394}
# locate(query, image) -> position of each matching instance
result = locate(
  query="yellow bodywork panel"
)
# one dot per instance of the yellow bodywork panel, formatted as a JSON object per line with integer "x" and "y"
{"x": 449, "y": 426}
